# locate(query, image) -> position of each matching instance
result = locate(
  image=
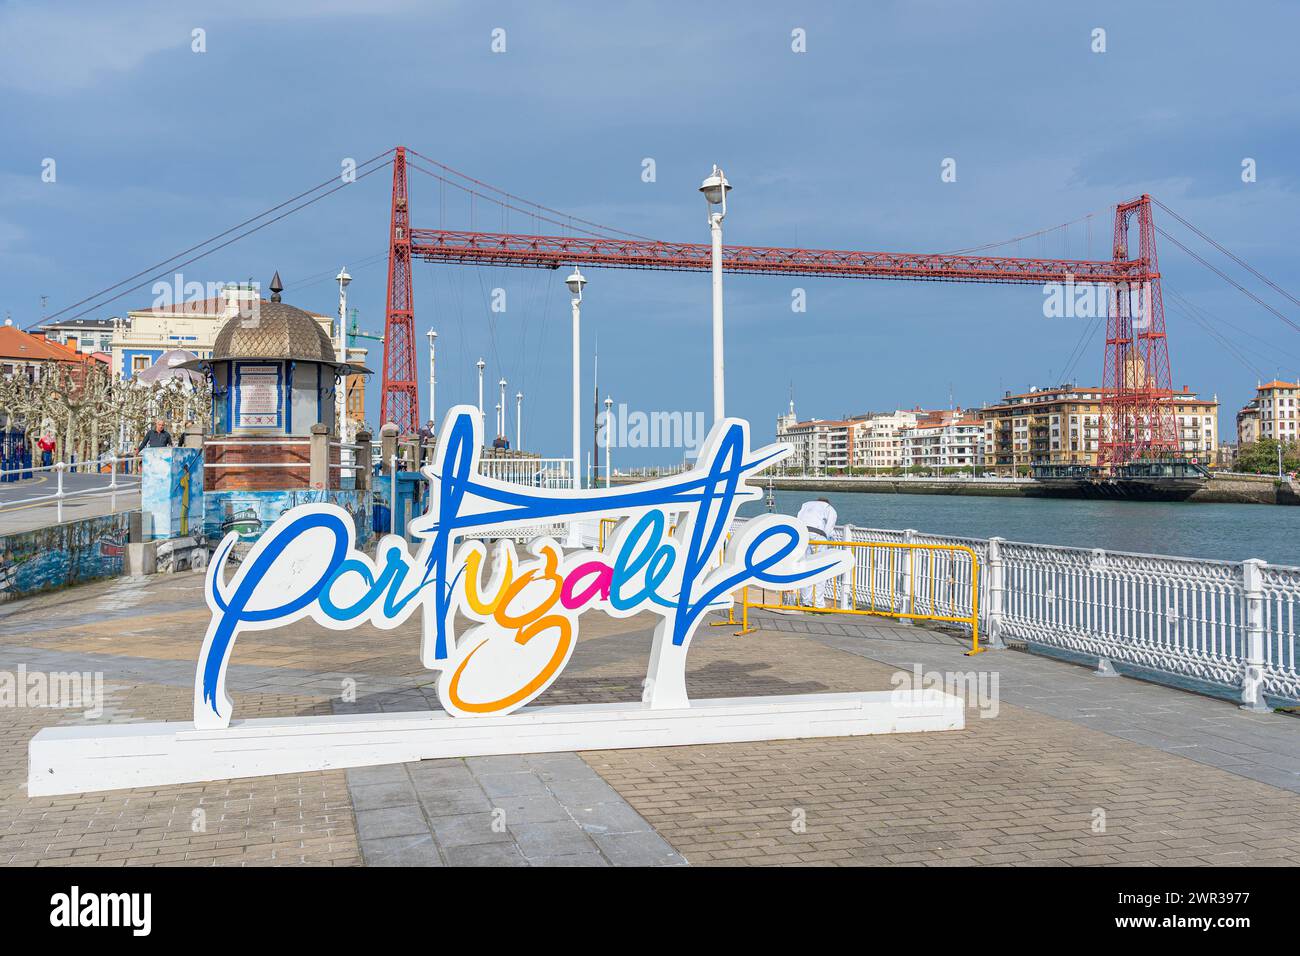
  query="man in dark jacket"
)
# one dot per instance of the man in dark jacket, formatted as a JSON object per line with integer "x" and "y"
{"x": 156, "y": 437}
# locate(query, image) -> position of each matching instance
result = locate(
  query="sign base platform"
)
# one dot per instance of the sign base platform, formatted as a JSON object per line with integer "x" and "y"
{"x": 81, "y": 759}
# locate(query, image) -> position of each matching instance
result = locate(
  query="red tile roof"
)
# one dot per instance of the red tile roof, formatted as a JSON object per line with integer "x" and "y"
{"x": 17, "y": 345}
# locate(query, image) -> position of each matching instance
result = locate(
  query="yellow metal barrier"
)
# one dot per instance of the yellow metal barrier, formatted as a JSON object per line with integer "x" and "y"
{"x": 887, "y": 574}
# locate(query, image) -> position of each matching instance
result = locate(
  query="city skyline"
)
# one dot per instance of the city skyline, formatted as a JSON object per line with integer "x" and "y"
{"x": 856, "y": 165}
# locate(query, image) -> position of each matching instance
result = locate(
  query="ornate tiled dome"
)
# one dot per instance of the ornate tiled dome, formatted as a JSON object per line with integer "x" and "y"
{"x": 275, "y": 330}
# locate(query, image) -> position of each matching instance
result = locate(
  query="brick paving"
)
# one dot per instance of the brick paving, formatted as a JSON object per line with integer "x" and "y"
{"x": 1068, "y": 772}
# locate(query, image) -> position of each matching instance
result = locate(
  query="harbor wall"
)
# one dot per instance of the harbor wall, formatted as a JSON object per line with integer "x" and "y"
{"x": 1219, "y": 489}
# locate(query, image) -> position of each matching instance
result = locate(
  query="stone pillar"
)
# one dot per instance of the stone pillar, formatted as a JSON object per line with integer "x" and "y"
{"x": 320, "y": 457}
{"x": 363, "y": 467}
{"x": 387, "y": 447}
{"x": 192, "y": 437}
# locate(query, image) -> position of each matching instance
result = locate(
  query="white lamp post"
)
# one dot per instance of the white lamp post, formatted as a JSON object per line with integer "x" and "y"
{"x": 482, "y": 419}
{"x": 575, "y": 282}
{"x": 715, "y": 189}
{"x": 433, "y": 379}
{"x": 519, "y": 421}
{"x": 609, "y": 427}
{"x": 501, "y": 413}
{"x": 341, "y": 354}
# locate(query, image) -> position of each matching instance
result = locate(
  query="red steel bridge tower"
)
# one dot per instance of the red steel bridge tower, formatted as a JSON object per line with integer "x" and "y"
{"x": 1138, "y": 417}
{"x": 400, "y": 400}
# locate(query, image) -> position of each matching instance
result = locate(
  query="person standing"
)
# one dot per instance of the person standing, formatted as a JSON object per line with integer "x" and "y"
{"x": 819, "y": 518}
{"x": 426, "y": 441}
{"x": 156, "y": 437}
{"x": 46, "y": 444}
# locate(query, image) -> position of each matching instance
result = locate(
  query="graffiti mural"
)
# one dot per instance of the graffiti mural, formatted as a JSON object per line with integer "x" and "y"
{"x": 72, "y": 553}
{"x": 172, "y": 492}
{"x": 249, "y": 513}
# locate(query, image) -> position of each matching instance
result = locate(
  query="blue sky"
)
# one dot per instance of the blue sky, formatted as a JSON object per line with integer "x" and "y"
{"x": 158, "y": 147}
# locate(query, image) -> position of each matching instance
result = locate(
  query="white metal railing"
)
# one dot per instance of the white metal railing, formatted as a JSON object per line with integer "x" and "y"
{"x": 534, "y": 472}
{"x": 113, "y": 488}
{"x": 1231, "y": 628}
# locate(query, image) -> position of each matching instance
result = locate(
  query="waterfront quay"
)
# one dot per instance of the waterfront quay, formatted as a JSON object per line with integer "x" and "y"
{"x": 1216, "y": 489}
{"x": 1055, "y": 766}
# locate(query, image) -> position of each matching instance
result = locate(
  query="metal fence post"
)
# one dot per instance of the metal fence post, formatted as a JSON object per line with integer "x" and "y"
{"x": 848, "y": 587}
{"x": 58, "y": 493}
{"x": 1252, "y": 677}
{"x": 995, "y": 608}
{"x": 909, "y": 537}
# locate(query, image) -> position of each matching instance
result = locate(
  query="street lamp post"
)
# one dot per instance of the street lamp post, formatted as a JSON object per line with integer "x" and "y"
{"x": 501, "y": 413}
{"x": 715, "y": 189}
{"x": 341, "y": 355}
{"x": 481, "y": 418}
{"x": 433, "y": 379}
{"x": 575, "y": 282}
{"x": 609, "y": 427}
{"x": 519, "y": 421}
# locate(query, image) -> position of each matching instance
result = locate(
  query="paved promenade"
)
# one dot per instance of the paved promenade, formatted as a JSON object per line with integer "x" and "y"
{"x": 89, "y": 498}
{"x": 1066, "y": 769}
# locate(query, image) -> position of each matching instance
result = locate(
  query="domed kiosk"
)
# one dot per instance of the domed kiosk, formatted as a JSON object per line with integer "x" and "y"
{"x": 274, "y": 441}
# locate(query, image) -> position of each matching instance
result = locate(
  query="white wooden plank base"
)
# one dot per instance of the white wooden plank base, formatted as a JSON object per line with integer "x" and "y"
{"x": 113, "y": 757}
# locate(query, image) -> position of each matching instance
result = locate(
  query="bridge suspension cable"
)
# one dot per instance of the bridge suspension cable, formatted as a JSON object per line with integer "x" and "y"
{"x": 170, "y": 263}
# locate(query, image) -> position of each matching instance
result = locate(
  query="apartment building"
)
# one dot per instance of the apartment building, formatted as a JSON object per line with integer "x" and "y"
{"x": 1058, "y": 425}
{"x": 1064, "y": 425}
{"x": 83, "y": 335}
{"x": 878, "y": 439}
{"x": 1276, "y": 405}
{"x": 820, "y": 445}
{"x": 950, "y": 442}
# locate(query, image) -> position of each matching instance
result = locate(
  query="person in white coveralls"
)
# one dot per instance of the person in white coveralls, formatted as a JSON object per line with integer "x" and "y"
{"x": 819, "y": 518}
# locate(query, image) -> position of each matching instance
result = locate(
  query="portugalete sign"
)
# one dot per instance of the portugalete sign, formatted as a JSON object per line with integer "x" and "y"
{"x": 671, "y": 555}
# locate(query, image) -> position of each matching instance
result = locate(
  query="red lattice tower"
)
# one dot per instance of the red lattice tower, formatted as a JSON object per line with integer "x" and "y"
{"x": 1138, "y": 416}
{"x": 400, "y": 398}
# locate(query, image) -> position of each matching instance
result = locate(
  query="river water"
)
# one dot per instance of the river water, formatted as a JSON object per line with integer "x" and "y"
{"x": 1224, "y": 532}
